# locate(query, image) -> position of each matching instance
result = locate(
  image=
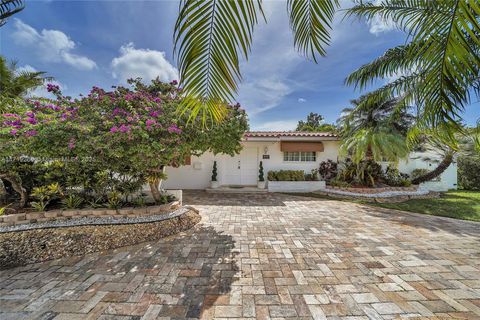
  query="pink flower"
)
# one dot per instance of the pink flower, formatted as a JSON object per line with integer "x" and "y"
{"x": 123, "y": 128}
{"x": 174, "y": 129}
{"x": 113, "y": 129}
{"x": 13, "y": 132}
{"x": 10, "y": 115}
{"x": 71, "y": 144}
{"x": 31, "y": 133}
{"x": 53, "y": 88}
{"x": 32, "y": 120}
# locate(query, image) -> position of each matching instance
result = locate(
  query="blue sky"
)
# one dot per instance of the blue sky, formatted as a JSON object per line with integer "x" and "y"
{"x": 86, "y": 43}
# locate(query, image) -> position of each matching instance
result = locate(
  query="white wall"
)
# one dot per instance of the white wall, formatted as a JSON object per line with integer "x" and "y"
{"x": 198, "y": 174}
{"x": 417, "y": 160}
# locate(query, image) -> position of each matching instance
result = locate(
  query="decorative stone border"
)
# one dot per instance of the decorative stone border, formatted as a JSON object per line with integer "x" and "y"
{"x": 373, "y": 190}
{"x": 56, "y": 215}
{"x": 381, "y": 197}
{"x": 31, "y": 246}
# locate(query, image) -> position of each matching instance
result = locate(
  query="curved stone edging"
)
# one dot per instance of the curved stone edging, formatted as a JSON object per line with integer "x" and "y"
{"x": 383, "y": 197}
{"x": 37, "y": 245}
{"x": 385, "y": 194}
{"x": 84, "y": 221}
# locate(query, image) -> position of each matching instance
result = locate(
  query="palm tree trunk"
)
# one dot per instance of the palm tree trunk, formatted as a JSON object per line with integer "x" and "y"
{"x": 442, "y": 166}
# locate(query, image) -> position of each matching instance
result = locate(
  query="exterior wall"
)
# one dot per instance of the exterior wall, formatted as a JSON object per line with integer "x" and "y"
{"x": 198, "y": 174}
{"x": 417, "y": 160}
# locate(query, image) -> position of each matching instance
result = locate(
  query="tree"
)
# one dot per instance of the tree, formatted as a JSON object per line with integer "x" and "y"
{"x": 210, "y": 35}
{"x": 133, "y": 131}
{"x": 16, "y": 84}
{"x": 439, "y": 65}
{"x": 9, "y": 8}
{"x": 374, "y": 131}
{"x": 315, "y": 123}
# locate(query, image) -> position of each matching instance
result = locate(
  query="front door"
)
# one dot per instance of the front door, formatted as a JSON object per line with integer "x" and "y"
{"x": 241, "y": 169}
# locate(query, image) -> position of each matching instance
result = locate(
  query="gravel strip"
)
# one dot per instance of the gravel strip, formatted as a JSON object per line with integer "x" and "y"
{"x": 386, "y": 194}
{"x": 88, "y": 221}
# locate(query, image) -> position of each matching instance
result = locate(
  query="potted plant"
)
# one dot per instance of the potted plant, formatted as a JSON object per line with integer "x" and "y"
{"x": 214, "y": 183}
{"x": 261, "y": 178}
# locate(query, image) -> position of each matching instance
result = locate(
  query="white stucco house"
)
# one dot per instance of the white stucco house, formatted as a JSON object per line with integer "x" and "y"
{"x": 287, "y": 150}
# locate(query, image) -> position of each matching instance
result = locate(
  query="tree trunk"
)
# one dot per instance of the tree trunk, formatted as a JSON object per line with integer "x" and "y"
{"x": 442, "y": 166}
{"x": 17, "y": 186}
{"x": 155, "y": 185}
{"x": 3, "y": 193}
{"x": 155, "y": 190}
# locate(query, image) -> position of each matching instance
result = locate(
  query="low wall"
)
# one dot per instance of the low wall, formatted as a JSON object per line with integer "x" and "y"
{"x": 23, "y": 247}
{"x": 54, "y": 215}
{"x": 295, "y": 186}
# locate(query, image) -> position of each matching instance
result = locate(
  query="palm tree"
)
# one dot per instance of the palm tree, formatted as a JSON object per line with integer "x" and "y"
{"x": 374, "y": 131}
{"x": 9, "y": 8}
{"x": 441, "y": 60}
{"x": 210, "y": 35}
{"x": 16, "y": 84}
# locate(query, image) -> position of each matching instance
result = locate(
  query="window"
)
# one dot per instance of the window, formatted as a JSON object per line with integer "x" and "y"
{"x": 300, "y": 156}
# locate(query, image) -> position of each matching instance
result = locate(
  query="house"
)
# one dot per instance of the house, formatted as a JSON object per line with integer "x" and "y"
{"x": 278, "y": 150}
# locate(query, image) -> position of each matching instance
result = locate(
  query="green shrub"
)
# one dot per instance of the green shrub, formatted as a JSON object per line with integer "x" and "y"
{"x": 286, "y": 175}
{"x": 469, "y": 173}
{"x": 328, "y": 170}
{"x": 366, "y": 173}
{"x": 72, "y": 201}
{"x": 395, "y": 178}
{"x": 418, "y": 173}
{"x": 260, "y": 172}
{"x": 44, "y": 195}
{"x": 339, "y": 183}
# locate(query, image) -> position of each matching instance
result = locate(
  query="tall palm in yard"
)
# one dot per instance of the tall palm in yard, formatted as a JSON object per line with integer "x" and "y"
{"x": 212, "y": 35}
{"x": 374, "y": 131}
{"x": 16, "y": 84}
{"x": 436, "y": 70}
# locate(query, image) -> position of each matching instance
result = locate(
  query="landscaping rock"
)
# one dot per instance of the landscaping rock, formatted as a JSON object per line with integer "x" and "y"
{"x": 24, "y": 247}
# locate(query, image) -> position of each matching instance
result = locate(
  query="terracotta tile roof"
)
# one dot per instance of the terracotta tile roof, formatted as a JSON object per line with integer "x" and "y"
{"x": 279, "y": 134}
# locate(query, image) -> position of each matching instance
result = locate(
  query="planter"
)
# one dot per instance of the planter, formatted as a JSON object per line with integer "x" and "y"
{"x": 214, "y": 184}
{"x": 295, "y": 186}
{"x": 261, "y": 184}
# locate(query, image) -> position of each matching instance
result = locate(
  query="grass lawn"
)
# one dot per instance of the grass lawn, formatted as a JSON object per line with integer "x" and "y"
{"x": 454, "y": 204}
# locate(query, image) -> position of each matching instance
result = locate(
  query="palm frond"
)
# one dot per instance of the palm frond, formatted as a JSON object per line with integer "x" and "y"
{"x": 446, "y": 34}
{"x": 311, "y": 22}
{"x": 9, "y": 8}
{"x": 394, "y": 62}
{"x": 210, "y": 36}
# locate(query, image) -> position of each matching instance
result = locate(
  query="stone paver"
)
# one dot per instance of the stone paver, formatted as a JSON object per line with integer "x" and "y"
{"x": 266, "y": 256}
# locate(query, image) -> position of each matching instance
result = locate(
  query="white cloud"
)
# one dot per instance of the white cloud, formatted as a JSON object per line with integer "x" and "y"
{"x": 50, "y": 45}
{"x": 280, "y": 125}
{"x": 144, "y": 63}
{"x": 302, "y": 100}
{"x": 379, "y": 25}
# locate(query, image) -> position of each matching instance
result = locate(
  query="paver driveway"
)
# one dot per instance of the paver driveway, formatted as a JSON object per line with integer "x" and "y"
{"x": 266, "y": 256}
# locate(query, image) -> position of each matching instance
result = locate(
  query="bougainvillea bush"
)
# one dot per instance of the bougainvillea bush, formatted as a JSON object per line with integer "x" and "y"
{"x": 128, "y": 134}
